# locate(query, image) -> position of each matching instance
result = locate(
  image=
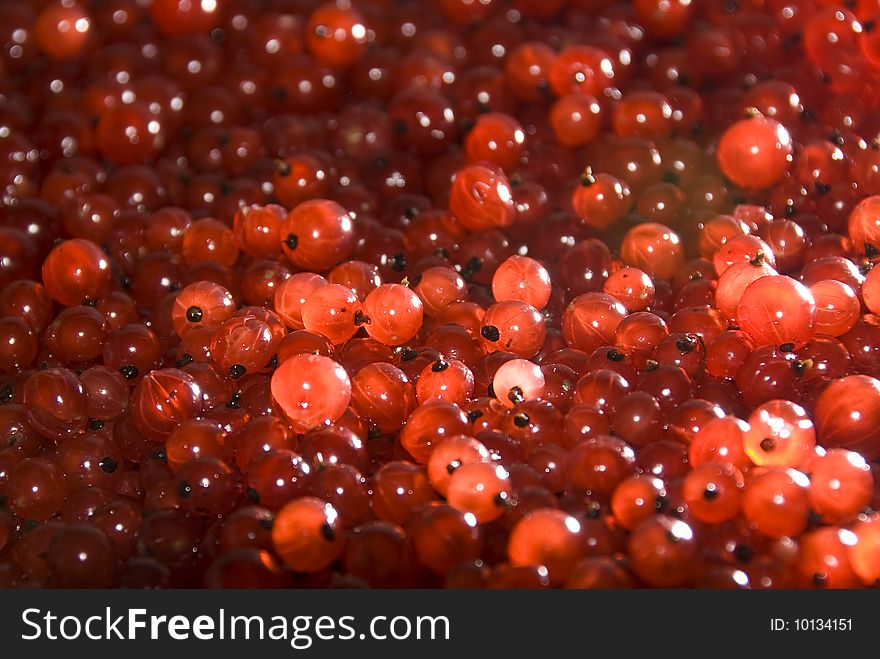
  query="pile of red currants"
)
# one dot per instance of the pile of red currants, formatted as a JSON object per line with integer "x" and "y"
{"x": 459, "y": 293}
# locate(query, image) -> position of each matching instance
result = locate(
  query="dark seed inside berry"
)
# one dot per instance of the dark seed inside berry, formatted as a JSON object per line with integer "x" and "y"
{"x": 108, "y": 465}
{"x": 129, "y": 372}
{"x": 184, "y": 489}
{"x": 194, "y": 314}
{"x": 490, "y": 332}
{"x": 614, "y": 355}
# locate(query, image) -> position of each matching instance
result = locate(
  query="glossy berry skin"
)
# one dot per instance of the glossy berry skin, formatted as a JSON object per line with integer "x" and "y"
{"x": 755, "y": 153}
{"x": 713, "y": 492}
{"x": 243, "y": 344}
{"x": 654, "y": 248}
{"x": 598, "y": 464}
{"x": 311, "y": 390}
{"x": 76, "y": 270}
{"x": 133, "y": 350}
{"x": 481, "y": 489}
{"x": 19, "y": 345}
{"x": 438, "y": 288}
{"x": 549, "y": 538}
{"x": 345, "y": 488}
{"x": 496, "y": 138}
{"x": 601, "y": 200}
{"x": 383, "y": 396}
{"x": 262, "y": 434}
{"x": 301, "y": 341}
{"x": 515, "y": 327}
{"x": 62, "y": 30}
{"x": 258, "y": 229}
{"x": 517, "y": 381}
{"x": 864, "y": 225}
{"x": 776, "y": 310}
{"x": 846, "y": 415}
{"x": 841, "y": 484}
{"x": 35, "y": 489}
{"x": 444, "y": 538}
{"x": 526, "y": 70}
{"x": 734, "y": 281}
{"x": 28, "y": 301}
{"x": 128, "y": 134}
{"x": 55, "y": 403}
{"x": 449, "y": 380}
{"x": 21, "y": 253}
{"x": 360, "y": 277}
{"x": 636, "y": 499}
{"x": 871, "y": 291}
{"x": 423, "y": 120}
{"x": 631, "y": 287}
{"x": 864, "y": 553}
{"x": 780, "y": 435}
{"x": 209, "y": 240}
{"x": 277, "y": 477}
{"x": 582, "y": 69}
{"x": 162, "y": 400}
{"x": 776, "y": 503}
{"x": 591, "y": 321}
{"x": 398, "y": 489}
{"x": 82, "y": 556}
{"x": 637, "y": 418}
{"x": 661, "y": 551}
{"x": 336, "y": 35}
{"x": 317, "y": 234}
{"x": 638, "y": 335}
{"x": 824, "y": 560}
{"x": 178, "y": 17}
{"x": 576, "y": 119}
{"x": 193, "y": 439}
{"x": 743, "y": 249}
{"x": 307, "y": 534}
{"x": 291, "y": 295}
{"x": 584, "y": 267}
{"x": 90, "y": 460}
{"x": 339, "y": 444}
{"x": 379, "y": 554}
{"x": 334, "y": 311}
{"x": 207, "y": 486}
{"x": 600, "y": 572}
{"x": 77, "y": 334}
{"x": 837, "y": 306}
{"x": 523, "y": 279}
{"x": 393, "y": 313}
{"x": 451, "y": 454}
{"x": 602, "y": 389}
{"x": 664, "y": 19}
{"x": 481, "y": 198}
{"x": 429, "y": 424}
{"x": 107, "y": 392}
{"x": 643, "y": 114}
{"x": 201, "y": 304}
